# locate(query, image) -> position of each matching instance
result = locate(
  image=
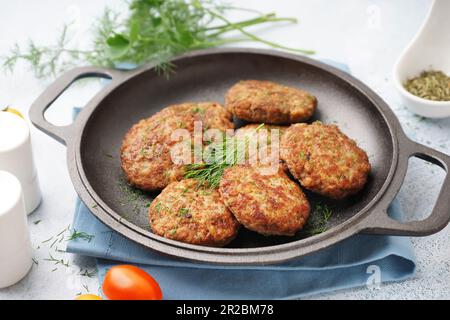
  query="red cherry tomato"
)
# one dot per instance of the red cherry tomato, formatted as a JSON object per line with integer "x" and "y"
{"x": 125, "y": 282}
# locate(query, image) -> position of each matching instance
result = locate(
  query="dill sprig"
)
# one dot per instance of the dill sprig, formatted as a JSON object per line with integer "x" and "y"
{"x": 59, "y": 237}
{"x": 87, "y": 273}
{"x": 226, "y": 153}
{"x": 57, "y": 261}
{"x": 318, "y": 222}
{"x": 80, "y": 235}
{"x": 152, "y": 31}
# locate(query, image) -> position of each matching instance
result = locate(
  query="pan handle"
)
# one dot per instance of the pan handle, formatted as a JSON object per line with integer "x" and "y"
{"x": 380, "y": 223}
{"x": 46, "y": 99}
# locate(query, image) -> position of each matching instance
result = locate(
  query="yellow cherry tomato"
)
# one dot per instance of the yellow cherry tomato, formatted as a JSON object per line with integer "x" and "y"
{"x": 13, "y": 111}
{"x": 88, "y": 297}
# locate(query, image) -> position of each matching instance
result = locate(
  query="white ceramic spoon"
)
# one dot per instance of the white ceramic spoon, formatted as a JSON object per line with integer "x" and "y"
{"x": 430, "y": 49}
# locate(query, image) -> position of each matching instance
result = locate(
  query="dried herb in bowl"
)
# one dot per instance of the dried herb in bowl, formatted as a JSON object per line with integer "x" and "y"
{"x": 431, "y": 85}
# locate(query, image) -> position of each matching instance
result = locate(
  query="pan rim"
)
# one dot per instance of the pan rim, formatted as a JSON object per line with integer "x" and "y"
{"x": 340, "y": 231}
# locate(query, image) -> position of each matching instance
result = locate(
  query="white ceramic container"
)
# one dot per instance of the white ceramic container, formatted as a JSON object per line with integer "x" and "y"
{"x": 430, "y": 49}
{"x": 16, "y": 157}
{"x": 15, "y": 246}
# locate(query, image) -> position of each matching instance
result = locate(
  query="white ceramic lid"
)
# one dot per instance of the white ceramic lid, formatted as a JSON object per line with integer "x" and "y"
{"x": 10, "y": 192}
{"x": 13, "y": 131}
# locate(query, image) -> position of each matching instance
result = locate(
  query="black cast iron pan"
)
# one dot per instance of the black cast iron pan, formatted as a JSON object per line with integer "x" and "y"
{"x": 94, "y": 140}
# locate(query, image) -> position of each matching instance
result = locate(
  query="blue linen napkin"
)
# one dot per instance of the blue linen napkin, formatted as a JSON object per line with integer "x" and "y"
{"x": 351, "y": 263}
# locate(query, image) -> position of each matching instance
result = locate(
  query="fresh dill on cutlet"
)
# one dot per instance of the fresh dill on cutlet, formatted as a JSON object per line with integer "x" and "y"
{"x": 221, "y": 157}
{"x": 184, "y": 213}
{"x": 198, "y": 109}
{"x": 158, "y": 206}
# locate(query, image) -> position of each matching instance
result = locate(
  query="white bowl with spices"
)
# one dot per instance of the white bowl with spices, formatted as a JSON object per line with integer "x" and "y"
{"x": 429, "y": 50}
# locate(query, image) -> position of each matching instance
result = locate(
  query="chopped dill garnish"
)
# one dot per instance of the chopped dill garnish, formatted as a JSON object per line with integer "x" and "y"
{"x": 80, "y": 235}
{"x": 184, "y": 210}
{"x": 45, "y": 241}
{"x": 57, "y": 261}
{"x": 318, "y": 221}
{"x": 35, "y": 261}
{"x": 57, "y": 237}
{"x": 54, "y": 242}
{"x": 199, "y": 110}
{"x": 133, "y": 196}
{"x": 184, "y": 213}
{"x": 185, "y": 190}
{"x": 87, "y": 273}
{"x": 63, "y": 231}
{"x": 37, "y": 222}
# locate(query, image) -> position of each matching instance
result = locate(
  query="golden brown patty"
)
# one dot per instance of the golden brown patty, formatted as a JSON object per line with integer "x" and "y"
{"x": 264, "y": 201}
{"x": 324, "y": 159}
{"x": 185, "y": 212}
{"x": 254, "y": 128}
{"x": 145, "y": 152}
{"x": 262, "y": 148}
{"x": 268, "y": 102}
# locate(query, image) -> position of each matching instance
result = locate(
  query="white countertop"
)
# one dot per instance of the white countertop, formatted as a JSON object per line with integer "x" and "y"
{"x": 368, "y": 35}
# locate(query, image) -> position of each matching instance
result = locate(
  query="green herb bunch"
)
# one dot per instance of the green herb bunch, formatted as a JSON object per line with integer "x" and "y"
{"x": 229, "y": 152}
{"x": 319, "y": 218}
{"x": 152, "y": 31}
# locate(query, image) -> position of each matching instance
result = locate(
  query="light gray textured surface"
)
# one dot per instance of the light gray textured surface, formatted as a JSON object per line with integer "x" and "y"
{"x": 368, "y": 35}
